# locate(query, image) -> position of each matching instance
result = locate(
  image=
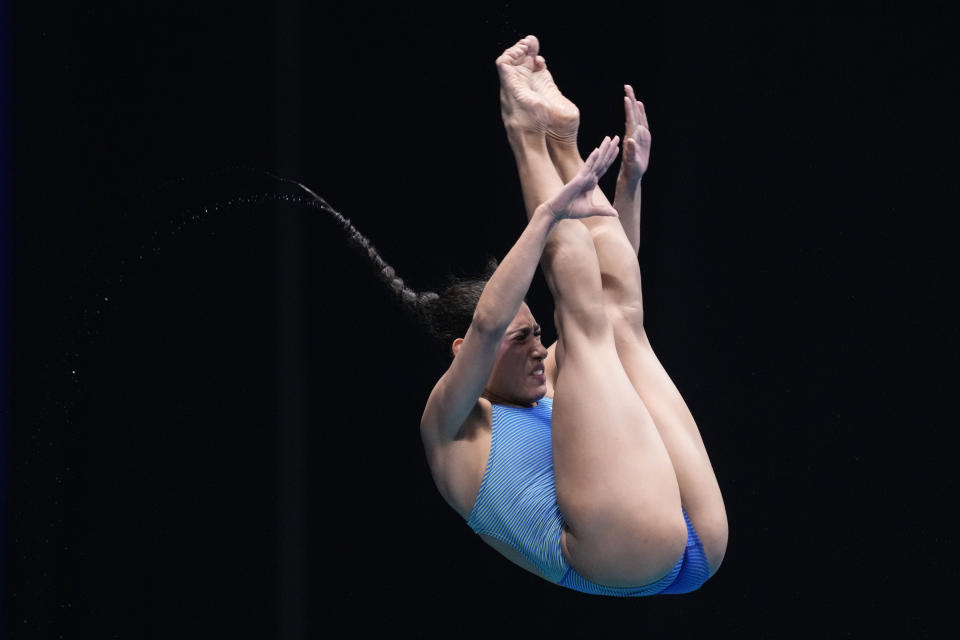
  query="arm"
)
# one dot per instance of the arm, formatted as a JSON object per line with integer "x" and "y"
{"x": 457, "y": 391}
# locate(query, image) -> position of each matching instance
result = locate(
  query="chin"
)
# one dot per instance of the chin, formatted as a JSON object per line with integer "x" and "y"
{"x": 539, "y": 393}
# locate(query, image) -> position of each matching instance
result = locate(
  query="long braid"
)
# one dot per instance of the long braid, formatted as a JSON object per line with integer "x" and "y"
{"x": 410, "y": 299}
{"x": 445, "y": 316}
{"x": 386, "y": 273}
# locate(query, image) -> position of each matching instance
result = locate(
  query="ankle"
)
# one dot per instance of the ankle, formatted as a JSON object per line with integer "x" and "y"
{"x": 564, "y": 145}
{"x": 523, "y": 141}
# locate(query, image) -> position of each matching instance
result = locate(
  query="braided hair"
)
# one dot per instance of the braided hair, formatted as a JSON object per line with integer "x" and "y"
{"x": 446, "y": 315}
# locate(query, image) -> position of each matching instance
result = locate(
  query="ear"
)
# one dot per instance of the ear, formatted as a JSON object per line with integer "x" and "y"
{"x": 455, "y": 347}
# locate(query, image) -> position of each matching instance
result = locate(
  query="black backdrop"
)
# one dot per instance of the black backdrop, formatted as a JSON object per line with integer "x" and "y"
{"x": 215, "y": 405}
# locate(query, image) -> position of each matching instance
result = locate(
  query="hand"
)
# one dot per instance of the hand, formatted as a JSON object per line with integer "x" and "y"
{"x": 575, "y": 200}
{"x": 636, "y": 145}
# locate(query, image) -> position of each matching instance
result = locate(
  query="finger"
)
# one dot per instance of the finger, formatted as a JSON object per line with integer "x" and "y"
{"x": 628, "y": 90}
{"x": 613, "y": 151}
{"x": 591, "y": 160}
{"x": 615, "y": 143}
{"x": 605, "y": 211}
{"x": 629, "y": 106}
{"x": 603, "y": 158}
{"x": 642, "y": 115}
{"x": 635, "y": 113}
{"x": 602, "y": 151}
{"x": 602, "y": 168}
{"x": 609, "y": 155}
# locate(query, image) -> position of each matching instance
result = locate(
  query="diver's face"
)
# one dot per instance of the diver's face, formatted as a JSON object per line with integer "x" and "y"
{"x": 518, "y": 375}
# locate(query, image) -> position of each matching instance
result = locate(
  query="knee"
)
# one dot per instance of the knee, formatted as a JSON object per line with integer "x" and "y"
{"x": 569, "y": 246}
{"x": 626, "y": 318}
{"x": 654, "y": 548}
{"x": 574, "y": 277}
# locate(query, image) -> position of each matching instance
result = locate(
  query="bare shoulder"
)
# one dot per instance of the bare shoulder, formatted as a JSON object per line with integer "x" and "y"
{"x": 458, "y": 464}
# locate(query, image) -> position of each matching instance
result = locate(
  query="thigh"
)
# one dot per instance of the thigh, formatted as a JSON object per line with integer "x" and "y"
{"x": 699, "y": 490}
{"x": 615, "y": 483}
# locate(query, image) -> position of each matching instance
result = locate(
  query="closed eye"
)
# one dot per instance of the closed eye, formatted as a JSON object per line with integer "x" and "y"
{"x": 525, "y": 333}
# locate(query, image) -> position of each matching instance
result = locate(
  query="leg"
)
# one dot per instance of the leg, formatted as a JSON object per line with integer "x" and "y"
{"x": 636, "y": 158}
{"x": 615, "y": 483}
{"x": 620, "y": 275}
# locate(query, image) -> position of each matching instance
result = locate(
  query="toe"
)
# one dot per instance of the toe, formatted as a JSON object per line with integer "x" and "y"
{"x": 513, "y": 55}
{"x": 533, "y": 44}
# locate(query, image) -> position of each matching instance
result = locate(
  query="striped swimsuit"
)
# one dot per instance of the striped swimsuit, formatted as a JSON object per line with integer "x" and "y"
{"x": 517, "y": 505}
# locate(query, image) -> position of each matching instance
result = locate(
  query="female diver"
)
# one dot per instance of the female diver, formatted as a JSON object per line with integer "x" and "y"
{"x": 580, "y": 462}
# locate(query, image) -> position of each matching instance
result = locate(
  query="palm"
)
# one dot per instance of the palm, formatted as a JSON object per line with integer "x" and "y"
{"x": 575, "y": 200}
{"x": 636, "y": 146}
{"x": 582, "y": 205}
{"x": 636, "y": 153}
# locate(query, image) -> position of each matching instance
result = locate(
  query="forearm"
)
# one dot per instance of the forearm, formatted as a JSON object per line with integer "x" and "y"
{"x": 507, "y": 287}
{"x": 626, "y": 201}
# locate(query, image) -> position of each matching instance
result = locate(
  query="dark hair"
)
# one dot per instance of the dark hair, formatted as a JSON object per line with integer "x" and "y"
{"x": 447, "y": 315}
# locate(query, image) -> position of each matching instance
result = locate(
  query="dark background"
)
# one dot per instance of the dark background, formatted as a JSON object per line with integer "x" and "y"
{"x": 214, "y": 404}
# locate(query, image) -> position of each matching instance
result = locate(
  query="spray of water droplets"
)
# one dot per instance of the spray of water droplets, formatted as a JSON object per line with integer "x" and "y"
{"x": 102, "y": 284}
{"x": 248, "y": 189}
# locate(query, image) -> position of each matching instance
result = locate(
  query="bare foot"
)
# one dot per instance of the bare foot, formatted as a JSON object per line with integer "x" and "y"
{"x": 529, "y": 99}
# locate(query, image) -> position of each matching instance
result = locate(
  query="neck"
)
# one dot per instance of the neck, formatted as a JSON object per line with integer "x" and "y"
{"x": 496, "y": 399}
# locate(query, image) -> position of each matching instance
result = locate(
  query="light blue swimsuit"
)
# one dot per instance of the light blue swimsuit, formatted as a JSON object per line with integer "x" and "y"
{"x": 517, "y": 505}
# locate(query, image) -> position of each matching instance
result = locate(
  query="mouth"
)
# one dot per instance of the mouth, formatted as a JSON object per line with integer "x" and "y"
{"x": 539, "y": 373}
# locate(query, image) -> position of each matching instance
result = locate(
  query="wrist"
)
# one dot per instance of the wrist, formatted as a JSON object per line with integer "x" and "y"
{"x": 631, "y": 183}
{"x": 627, "y": 189}
{"x": 544, "y": 217}
{"x": 627, "y": 193}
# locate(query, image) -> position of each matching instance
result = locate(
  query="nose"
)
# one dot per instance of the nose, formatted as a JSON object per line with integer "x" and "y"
{"x": 539, "y": 351}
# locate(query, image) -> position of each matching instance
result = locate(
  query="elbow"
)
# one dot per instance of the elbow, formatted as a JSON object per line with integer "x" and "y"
{"x": 488, "y": 324}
